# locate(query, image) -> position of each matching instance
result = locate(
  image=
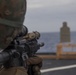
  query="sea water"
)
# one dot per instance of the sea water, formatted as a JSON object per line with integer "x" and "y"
{"x": 51, "y": 40}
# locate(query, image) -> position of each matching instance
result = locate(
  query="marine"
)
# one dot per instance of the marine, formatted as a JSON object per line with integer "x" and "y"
{"x": 12, "y": 15}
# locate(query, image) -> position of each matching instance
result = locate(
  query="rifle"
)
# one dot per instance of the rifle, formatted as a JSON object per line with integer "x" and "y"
{"x": 20, "y": 49}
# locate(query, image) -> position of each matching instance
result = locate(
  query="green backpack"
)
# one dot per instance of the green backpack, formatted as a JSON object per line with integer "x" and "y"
{"x": 12, "y": 14}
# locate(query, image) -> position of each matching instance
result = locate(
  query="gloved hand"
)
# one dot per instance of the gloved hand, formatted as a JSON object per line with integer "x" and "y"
{"x": 34, "y": 61}
{"x": 36, "y": 64}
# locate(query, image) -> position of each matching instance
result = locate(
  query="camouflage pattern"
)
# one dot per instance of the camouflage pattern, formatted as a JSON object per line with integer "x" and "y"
{"x": 14, "y": 71}
{"x": 12, "y": 14}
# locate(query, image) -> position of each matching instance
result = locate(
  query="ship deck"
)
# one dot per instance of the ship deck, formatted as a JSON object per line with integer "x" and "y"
{"x": 58, "y": 67}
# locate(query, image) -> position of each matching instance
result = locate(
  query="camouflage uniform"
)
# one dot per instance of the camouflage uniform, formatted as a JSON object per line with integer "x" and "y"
{"x": 12, "y": 14}
{"x": 14, "y": 71}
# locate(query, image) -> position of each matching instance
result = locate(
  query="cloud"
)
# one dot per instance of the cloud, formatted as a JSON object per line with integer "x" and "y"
{"x": 46, "y": 3}
{"x": 48, "y": 15}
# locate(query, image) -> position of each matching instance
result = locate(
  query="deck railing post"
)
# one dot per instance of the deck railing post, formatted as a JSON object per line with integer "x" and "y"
{"x": 59, "y": 51}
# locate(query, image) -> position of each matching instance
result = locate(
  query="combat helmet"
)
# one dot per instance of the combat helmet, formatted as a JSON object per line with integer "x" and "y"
{"x": 12, "y": 14}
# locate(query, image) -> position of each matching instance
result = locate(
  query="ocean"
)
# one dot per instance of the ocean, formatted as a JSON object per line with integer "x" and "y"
{"x": 51, "y": 40}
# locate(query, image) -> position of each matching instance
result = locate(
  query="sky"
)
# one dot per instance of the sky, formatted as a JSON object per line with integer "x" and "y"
{"x": 48, "y": 15}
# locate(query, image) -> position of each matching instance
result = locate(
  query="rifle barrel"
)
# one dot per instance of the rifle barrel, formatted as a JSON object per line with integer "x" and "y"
{"x": 4, "y": 56}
